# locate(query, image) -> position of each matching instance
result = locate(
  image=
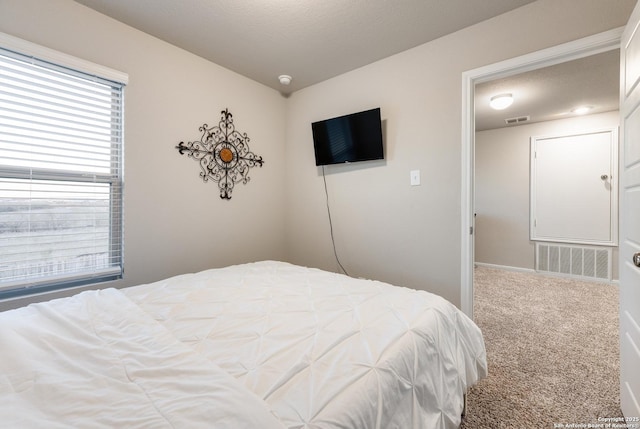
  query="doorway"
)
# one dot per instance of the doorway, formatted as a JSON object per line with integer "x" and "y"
{"x": 599, "y": 43}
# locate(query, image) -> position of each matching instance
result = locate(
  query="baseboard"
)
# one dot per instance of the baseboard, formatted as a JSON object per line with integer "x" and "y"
{"x": 505, "y": 267}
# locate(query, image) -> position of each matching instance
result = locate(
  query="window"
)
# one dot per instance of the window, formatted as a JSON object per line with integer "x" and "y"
{"x": 60, "y": 174}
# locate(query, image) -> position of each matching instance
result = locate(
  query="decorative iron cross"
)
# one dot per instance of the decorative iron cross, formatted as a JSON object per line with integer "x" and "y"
{"x": 223, "y": 154}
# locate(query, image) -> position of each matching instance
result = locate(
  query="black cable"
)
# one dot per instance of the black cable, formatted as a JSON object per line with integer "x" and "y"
{"x": 333, "y": 241}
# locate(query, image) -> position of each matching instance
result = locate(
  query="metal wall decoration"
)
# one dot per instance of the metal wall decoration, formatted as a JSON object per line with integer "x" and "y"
{"x": 223, "y": 154}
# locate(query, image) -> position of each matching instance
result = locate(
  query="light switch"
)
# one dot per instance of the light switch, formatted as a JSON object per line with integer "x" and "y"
{"x": 415, "y": 177}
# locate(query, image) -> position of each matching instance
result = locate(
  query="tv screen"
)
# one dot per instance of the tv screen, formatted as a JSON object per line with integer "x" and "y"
{"x": 350, "y": 138}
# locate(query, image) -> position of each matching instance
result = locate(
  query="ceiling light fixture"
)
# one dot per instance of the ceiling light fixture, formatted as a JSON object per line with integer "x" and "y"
{"x": 581, "y": 110}
{"x": 501, "y": 101}
{"x": 285, "y": 79}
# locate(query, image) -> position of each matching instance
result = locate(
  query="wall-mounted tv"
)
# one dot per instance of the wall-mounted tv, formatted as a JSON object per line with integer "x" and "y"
{"x": 349, "y": 138}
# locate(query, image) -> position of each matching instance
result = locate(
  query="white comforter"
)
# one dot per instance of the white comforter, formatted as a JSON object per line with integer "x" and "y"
{"x": 97, "y": 360}
{"x": 324, "y": 350}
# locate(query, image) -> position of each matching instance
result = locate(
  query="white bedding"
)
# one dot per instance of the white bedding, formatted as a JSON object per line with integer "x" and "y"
{"x": 324, "y": 350}
{"x": 97, "y": 360}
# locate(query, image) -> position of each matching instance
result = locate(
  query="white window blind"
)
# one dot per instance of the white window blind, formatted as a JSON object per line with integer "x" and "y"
{"x": 60, "y": 176}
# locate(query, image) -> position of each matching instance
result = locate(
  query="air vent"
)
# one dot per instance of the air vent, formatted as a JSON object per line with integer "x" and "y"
{"x": 518, "y": 120}
{"x": 574, "y": 261}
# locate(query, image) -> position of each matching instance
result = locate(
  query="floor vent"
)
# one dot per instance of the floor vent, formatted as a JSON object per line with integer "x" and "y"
{"x": 574, "y": 261}
{"x": 518, "y": 120}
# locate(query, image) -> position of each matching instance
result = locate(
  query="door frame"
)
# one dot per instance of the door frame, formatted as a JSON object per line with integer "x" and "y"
{"x": 580, "y": 48}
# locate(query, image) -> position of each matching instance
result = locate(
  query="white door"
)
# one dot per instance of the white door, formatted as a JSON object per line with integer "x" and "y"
{"x": 573, "y": 188}
{"x": 630, "y": 218}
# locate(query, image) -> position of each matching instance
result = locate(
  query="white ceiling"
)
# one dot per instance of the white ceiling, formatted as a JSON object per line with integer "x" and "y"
{"x": 552, "y": 92}
{"x": 311, "y": 40}
{"x": 314, "y": 40}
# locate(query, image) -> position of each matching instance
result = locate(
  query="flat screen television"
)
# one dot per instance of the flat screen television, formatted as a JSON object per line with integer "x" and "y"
{"x": 349, "y": 138}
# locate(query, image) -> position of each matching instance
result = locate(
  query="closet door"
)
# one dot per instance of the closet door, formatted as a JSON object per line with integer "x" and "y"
{"x": 573, "y": 188}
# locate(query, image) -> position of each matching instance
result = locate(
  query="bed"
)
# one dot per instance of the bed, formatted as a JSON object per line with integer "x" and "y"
{"x": 259, "y": 345}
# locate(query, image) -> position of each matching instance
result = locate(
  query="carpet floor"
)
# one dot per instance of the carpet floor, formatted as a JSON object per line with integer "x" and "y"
{"x": 552, "y": 350}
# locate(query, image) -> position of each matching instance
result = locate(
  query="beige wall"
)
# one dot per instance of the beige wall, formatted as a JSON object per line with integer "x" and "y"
{"x": 502, "y": 187}
{"x": 173, "y": 222}
{"x": 384, "y": 228}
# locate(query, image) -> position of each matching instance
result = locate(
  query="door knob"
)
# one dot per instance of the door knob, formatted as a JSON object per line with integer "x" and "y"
{"x": 604, "y": 176}
{"x": 636, "y": 259}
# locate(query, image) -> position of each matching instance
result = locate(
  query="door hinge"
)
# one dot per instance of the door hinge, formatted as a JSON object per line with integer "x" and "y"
{"x": 470, "y": 230}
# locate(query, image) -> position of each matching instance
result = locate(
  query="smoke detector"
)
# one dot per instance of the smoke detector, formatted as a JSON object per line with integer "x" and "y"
{"x": 285, "y": 79}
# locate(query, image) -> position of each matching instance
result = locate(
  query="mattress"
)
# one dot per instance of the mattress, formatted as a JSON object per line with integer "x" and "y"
{"x": 324, "y": 350}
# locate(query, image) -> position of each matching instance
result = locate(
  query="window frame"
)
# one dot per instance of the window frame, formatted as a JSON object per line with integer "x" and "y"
{"x": 73, "y": 66}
